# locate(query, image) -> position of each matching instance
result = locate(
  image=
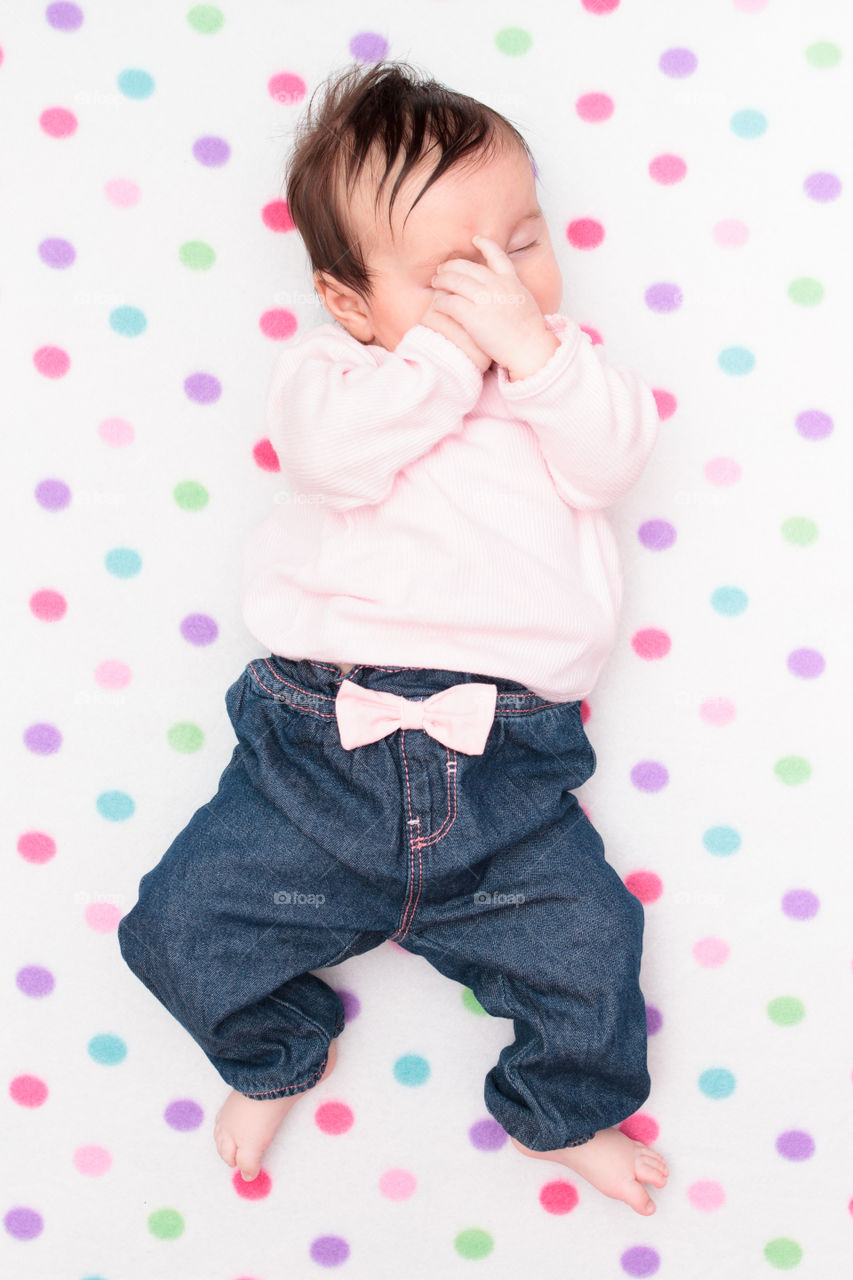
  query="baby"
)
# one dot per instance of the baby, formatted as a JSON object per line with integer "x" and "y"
{"x": 450, "y": 441}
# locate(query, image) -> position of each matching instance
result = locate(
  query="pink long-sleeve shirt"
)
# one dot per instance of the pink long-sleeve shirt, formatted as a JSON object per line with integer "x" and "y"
{"x": 440, "y": 517}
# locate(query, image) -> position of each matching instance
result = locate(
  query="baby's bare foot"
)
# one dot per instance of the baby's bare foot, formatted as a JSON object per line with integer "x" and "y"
{"x": 615, "y": 1164}
{"x": 245, "y": 1127}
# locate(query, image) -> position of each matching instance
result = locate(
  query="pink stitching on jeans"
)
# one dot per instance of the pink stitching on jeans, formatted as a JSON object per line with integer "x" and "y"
{"x": 298, "y": 1085}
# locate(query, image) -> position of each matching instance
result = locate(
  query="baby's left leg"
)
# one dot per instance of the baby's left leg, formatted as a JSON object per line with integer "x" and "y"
{"x": 614, "y": 1163}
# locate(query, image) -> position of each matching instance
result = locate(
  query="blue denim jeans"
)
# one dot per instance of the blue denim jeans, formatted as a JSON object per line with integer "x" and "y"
{"x": 486, "y": 865}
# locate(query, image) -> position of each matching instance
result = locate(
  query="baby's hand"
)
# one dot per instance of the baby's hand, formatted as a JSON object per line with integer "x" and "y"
{"x": 453, "y": 330}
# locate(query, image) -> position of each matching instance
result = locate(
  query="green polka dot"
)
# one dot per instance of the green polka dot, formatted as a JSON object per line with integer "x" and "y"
{"x": 799, "y": 531}
{"x": 823, "y": 54}
{"x": 786, "y": 1011}
{"x": 185, "y": 738}
{"x": 166, "y": 1224}
{"x": 196, "y": 255}
{"x": 792, "y": 770}
{"x": 190, "y": 495}
{"x": 473, "y": 1243}
{"x": 805, "y": 291}
{"x": 205, "y": 18}
{"x": 513, "y": 41}
{"x": 470, "y": 1001}
{"x": 783, "y": 1254}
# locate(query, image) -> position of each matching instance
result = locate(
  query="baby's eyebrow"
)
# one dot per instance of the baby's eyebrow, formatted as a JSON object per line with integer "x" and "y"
{"x": 454, "y": 253}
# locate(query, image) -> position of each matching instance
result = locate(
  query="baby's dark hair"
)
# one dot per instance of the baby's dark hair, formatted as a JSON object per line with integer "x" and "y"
{"x": 390, "y": 106}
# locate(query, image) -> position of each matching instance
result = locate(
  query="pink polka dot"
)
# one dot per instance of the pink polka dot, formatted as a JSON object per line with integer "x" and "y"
{"x": 333, "y": 1117}
{"x": 102, "y": 917}
{"x": 52, "y": 362}
{"x": 594, "y": 336}
{"x": 559, "y": 1196}
{"x": 651, "y": 643}
{"x": 710, "y": 953}
{"x": 112, "y": 674}
{"x": 116, "y": 432}
{"x": 585, "y": 233}
{"x": 397, "y": 1184}
{"x": 594, "y": 107}
{"x": 258, "y": 1189}
{"x": 666, "y": 403}
{"x": 286, "y": 87}
{"x": 731, "y": 234}
{"x": 750, "y": 6}
{"x": 706, "y": 1195}
{"x": 36, "y": 847}
{"x": 265, "y": 456}
{"x": 122, "y": 193}
{"x": 600, "y": 6}
{"x": 278, "y": 324}
{"x": 717, "y": 711}
{"x": 28, "y": 1091}
{"x": 47, "y": 606}
{"x": 57, "y": 122}
{"x": 722, "y": 471}
{"x": 667, "y": 169}
{"x": 645, "y": 885}
{"x": 93, "y": 1161}
{"x": 276, "y": 216}
{"x": 641, "y": 1127}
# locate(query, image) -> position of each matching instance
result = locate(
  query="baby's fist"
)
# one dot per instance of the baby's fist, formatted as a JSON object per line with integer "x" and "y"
{"x": 453, "y": 330}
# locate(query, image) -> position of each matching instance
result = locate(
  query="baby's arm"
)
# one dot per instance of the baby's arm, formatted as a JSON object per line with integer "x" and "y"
{"x": 596, "y": 424}
{"x": 345, "y": 418}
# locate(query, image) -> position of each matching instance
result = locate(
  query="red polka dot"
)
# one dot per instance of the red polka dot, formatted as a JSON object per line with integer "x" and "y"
{"x": 278, "y": 323}
{"x": 257, "y": 1189}
{"x": 47, "y": 605}
{"x": 28, "y": 1091}
{"x": 667, "y": 169}
{"x": 594, "y": 107}
{"x": 651, "y": 643}
{"x": 666, "y": 403}
{"x": 585, "y": 233}
{"x": 558, "y": 1197}
{"x": 276, "y": 216}
{"x": 644, "y": 885}
{"x": 600, "y": 6}
{"x": 640, "y": 1127}
{"x": 36, "y": 847}
{"x": 52, "y": 362}
{"x": 286, "y": 88}
{"x": 595, "y": 337}
{"x": 333, "y": 1117}
{"x": 585, "y": 712}
{"x": 58, "y": 123}
{"x": 265, "y": 456}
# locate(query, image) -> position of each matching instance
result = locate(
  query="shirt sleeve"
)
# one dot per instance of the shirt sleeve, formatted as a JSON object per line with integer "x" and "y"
{"x": 596, "y": 424}
{"x": 345, "y": 418}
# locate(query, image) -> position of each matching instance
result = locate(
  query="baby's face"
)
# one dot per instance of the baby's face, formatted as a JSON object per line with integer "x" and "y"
{"x": 498, "y": 200}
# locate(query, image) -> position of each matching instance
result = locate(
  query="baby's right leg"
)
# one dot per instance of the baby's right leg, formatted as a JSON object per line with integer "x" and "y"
{"x": 245, "y": 1127}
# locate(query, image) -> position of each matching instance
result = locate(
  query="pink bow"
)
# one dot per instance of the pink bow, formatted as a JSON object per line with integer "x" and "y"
{"x": 459, "y": 717}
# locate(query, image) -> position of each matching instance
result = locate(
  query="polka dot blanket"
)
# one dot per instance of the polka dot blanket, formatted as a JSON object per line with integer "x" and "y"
{"x": 692, "y": 164}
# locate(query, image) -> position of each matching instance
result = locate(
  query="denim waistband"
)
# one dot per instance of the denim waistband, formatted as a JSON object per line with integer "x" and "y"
{"x": 304, "y": 681}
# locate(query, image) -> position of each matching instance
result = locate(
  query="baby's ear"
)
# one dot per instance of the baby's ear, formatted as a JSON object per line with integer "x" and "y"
{"x": 345, "y": 305}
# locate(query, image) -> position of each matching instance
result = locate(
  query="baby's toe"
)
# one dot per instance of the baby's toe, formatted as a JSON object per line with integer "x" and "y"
{"x": 250, "y": 1164}
{"x": 226, "y": 1146}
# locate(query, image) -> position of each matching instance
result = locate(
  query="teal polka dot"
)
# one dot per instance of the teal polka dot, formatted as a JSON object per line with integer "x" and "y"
{"x": 135, "y": 83}
{"x": 107, "y": 1050}
{"x": 729, "y": 601}
{"x": 115, "y": 806}
{"x": 736, "y": 360}
{"x": 128, "y": 321}
{"x": 748, "y": 123}
{"x": 411, "y": 1069}
{"x": 123, "y": 562}
{"x": 721, "y": 840}
{"x": 717, "y": 1082}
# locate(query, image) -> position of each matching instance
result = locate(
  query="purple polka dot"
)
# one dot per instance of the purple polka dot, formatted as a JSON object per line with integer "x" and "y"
{"x": 368, "y": 46}
{"x": 794, "y": 1144}
{"x": 822, "y": 186}
{"x": 813, "y": 424}
{"x": 57, "y": 253}
{"x": 649, "y": 775}
{"x": 23, "y": 1223}
{"x": 53, "y": 495}
{"x": 640, "y": 1261}
{"x": 487, "y": 1135}
{"x": 202, "y": 388}
{"x": 198, "y": 628}
{"x": 663, "y": 297}
{"x": 657, "y": 535}
{"x": 183, "y": 1114}
{"x": 351, "y": 1003}
{"x": 34, "y": 980}
{"x": 654, "y": 1020}
{"x": 211, "y": 151}
{"x": 42, "y": 739}
{"x": 678, "y": 62}
{"x": 64, "y": 17}
{"x": 807, "y": 663}
{"x": 329, "y": 1251}
{"x": 800, "y": 904}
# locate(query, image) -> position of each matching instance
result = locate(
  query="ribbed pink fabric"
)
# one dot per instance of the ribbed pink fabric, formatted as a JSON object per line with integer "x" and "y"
{"x": 437, "y": 517}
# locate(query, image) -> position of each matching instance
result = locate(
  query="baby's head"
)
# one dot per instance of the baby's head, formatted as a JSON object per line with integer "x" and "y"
{"x": 454, "y": 168}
